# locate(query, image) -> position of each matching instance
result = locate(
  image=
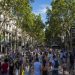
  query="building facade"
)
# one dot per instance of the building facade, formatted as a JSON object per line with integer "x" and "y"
{"x": 10, "y": 35}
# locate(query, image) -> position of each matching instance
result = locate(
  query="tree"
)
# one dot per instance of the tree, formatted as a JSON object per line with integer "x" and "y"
{"x": 38, "y": 28}
{"x": 21, "y": 12}
{"x": 20, "y": 9}
{"x": 61, "y": 17}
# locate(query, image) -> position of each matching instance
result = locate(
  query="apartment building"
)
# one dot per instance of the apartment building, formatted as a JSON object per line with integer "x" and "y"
{"x": 10, "y": 35}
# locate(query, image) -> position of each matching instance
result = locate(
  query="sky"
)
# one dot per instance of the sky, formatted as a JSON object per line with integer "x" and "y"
{"x": 39, "y": 7}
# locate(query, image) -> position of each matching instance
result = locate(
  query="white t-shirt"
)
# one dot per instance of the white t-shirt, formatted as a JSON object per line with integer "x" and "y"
{"x": 27, "y": 68}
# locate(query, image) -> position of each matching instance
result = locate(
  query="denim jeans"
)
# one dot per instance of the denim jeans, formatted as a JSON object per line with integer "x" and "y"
{"x": 55, "y": 72}
{"x": 27, "y": 73}
{"x": 17, "y": 72}
{"x": 5, "y": 74}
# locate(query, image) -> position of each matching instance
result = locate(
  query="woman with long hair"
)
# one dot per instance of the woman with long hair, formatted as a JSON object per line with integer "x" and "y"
{"x": 44, "y": 68}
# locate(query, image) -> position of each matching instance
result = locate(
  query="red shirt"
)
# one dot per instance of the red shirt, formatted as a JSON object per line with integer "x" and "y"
{"x": 5, "y": 67}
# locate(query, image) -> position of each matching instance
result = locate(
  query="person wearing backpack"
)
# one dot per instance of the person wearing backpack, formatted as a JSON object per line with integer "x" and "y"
{"x": 55, "y": 65}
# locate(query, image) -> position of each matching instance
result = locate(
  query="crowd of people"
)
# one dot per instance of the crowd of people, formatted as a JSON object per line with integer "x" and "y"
{"x": 38, "y": 62}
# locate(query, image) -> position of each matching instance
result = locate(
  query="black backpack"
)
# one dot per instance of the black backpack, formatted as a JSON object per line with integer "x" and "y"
{"x": 56, "y": 64}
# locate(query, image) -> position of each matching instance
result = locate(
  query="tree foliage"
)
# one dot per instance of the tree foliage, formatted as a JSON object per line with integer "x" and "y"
{"x": 25, "y": 19}
{"x": 61, "y": 17}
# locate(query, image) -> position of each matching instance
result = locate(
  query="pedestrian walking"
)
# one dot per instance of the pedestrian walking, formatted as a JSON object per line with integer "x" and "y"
{"x": 37, "y": 67}
{"x": 44, "y": 68}
{"x": 17, "y": 68}
{"x": 4, "y": 67}
{"x": 22, "y": 70}
{"x": 27, "y": 69}
{"x": 71, "y": 58}
{"x": 0, "y": 66}
{"x": 55, "y": 66}
{"x": 11, "y": 68}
